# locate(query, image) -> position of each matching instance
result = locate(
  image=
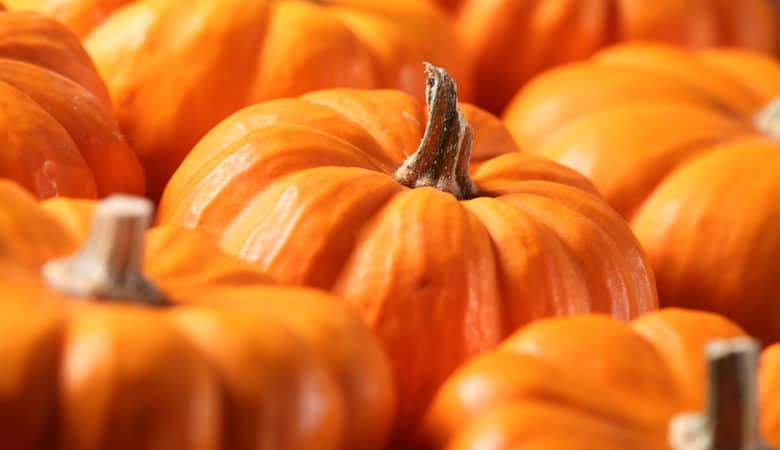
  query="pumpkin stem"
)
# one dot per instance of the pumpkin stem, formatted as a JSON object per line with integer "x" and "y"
{"x": 108, "y": 265}
{"x": 731, "y": 420}
{"x": 442, "y": 159}
{"x": 767, "y": 120}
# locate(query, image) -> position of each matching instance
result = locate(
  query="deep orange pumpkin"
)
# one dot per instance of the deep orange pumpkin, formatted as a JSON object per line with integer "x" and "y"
{"x": 587, "y": 382}
{"x": 221, "y": 359}
{"x": 510, "y": 41}
{"x": 305, "y": 188}
{"x": 58, "y": 136}
{"x": 177, "y": 69}
{"x": 685, "y": 146}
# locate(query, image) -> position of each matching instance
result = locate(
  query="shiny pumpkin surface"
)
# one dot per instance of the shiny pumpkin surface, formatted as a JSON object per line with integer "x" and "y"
{"x": 235, "y": 363}
{"x": 587, "y": 382}
{"x": 676, "y": 143}
{"x": 58, "y": 134}
{"x": 237, "y": 53}
{"x": 304, "y": 188}
{"x": 511, "y": 41}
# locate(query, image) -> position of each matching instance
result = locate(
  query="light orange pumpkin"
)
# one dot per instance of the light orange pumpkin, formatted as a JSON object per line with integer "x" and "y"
{"x": 685, "y": 146}
{"x": 511, "y": 41}
{"x": 58, "y": 134}
{"x": 442, "y": 258}
{"x": 587, "y": 382}
{"x": 177, "y": 69}
{"x": 99, "y": 354}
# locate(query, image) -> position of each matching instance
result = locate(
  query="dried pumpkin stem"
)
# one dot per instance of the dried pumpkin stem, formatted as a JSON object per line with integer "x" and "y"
{"x": 731, "y": 419}
{"x": 767, "y": 120}
{"x": 109, "y": 264}
{"x": 442, "y": 159}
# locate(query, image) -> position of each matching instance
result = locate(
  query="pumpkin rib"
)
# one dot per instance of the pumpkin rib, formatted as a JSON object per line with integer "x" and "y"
{"x": 249, "y": 168}
{"x": 603, "y": 218}
{"x": 34, "y": 39}
{"x": 50, "y": 158}
{"x": 756, "y": 71}
{"x": 354, "y": 196}
{"x": 681, "y": 134}
{"x": 93, "y": 131}
{"x": 550, "y": 260}
{"x": 539, "y": 206}
{"x": 652, "y": 60}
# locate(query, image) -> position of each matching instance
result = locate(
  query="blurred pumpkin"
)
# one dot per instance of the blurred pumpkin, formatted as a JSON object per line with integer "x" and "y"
{"x": 685, "y": 145}
{"x": 58, "y": 133}
{"x": 587, "y": 382}
{"x": 177, "y": 69}
{"x": 510, "y": 41}
{"x": 97, "y": 354}
{"x": 442, "y": 258}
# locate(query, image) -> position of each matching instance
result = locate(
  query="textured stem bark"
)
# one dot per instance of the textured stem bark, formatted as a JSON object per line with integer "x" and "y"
{"x": 442, "y": 159}
{"x": 731, "y": 420}
{"x": 109, "y": 264}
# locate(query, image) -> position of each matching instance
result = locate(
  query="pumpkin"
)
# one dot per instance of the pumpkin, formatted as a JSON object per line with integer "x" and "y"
{"x": 100, "y": 352}
{"x": 510, "y": 41}
{"x": 685, "y": 146}
{"x": 589, "y": 382}
{"x": 441, "y": 257}
{"x": 58, "y": 133}
{"x": 237, "y": 53}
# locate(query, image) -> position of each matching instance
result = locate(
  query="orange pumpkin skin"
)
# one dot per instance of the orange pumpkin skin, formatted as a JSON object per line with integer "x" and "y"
{"x": 510, "y": 41}
{"x": 238, "y": 53}
{"x": 204, "y": 374}
{"x": 59, "y": 136}
{"x": 584, "y": 382}
{"x": 674, "y": 141}
{"x": 304, "y": 188}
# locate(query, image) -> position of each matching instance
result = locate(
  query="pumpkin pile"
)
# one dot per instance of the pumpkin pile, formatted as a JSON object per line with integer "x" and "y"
{"x": 401, "y": 225}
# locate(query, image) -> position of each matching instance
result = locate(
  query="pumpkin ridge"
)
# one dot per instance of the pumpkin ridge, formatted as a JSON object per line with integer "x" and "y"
{"x": 238, "y": 172}
{"x": 275, "y": 192}
{"x": 66, "y": 159}
{"x": 608, "y": 245}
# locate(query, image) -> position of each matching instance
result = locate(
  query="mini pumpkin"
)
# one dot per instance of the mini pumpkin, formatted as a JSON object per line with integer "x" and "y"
{"x": 58, "y": 133}
{"x": 593, "y": 382}
{"x": 237, "y": 53}
{"x": 443, "y": 252}
{"x": 511, "y": 41}
{"x": 98, "y": 354}
{"x": 685, "y": 146}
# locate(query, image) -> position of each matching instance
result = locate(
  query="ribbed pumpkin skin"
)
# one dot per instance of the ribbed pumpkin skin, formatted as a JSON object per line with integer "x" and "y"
{"x": 58, "y": 133}
{"x": 238, "y": 52}
{"x": 511, "y": 41}
{"x": 587, "y": 382}
{"x": 237, "y": 363}
{"x": 668, "y": 137}
{"x": 304, "y": 188}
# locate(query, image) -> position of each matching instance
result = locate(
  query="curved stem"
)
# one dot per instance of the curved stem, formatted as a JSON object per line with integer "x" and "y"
{"x": 767, "y": 120}
{"x": 731, "y": 419}
{"x": 442, "y": 159}
{"x": 109, "y": 264}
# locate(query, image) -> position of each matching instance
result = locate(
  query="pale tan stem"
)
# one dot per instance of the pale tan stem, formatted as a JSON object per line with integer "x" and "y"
{"x": 767, "y": 120}
{"x": 731, "y": 420}
{"x": 109, "y": 264}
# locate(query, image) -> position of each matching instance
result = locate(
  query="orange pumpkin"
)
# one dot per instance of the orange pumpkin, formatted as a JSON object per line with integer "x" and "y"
{"x": 58, "y": 134}
{"x": 685, "y": 146}
{"x": 98, "y": 354}
{"x": 510, "y": 41}
{"x": 441, "y": 259}
{"x": 586, "y": 382}
{"x": 237, "y": 53}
